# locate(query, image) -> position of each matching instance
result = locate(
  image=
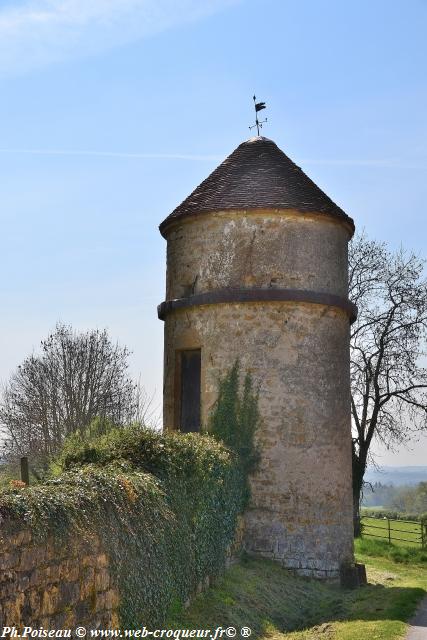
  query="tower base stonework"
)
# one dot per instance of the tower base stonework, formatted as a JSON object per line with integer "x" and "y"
{"x": 301, "y": 505}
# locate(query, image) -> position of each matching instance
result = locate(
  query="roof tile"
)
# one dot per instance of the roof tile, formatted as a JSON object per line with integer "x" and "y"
{"x": 256, "y": 175}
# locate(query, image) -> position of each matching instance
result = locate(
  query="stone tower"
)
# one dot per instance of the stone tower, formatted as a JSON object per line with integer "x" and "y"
{"x": 257, "y": 271}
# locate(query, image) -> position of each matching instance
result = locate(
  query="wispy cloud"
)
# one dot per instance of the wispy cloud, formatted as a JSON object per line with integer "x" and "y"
{"x": 391, "y": 163}
{"x": 35, "y": 33}
{"x": 113, "y": 154}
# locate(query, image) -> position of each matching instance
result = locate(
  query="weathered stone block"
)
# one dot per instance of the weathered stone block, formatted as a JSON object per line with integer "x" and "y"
{"x": 305, "y": 572}
{"x": 23, "y": 581}
{"x": 88, "y": 561}
{"x": 101, "y": 560}
{"x": 114, "y": 624}
{"x": 69, "y": 593}
{"x": 84, "y": 611}
{"x": 100, "y": 604}
{"x": 53, "y": 573}
{"x": 111, "y": 599}
{"x": 30, "y": 558}
{"x": 292, "y": 563}
{"x": 320, "y": 574}
{"x": 12, "y": 610}
{"x": 69, "y": 570}
{"x": 8, "y": 561}
{"x": 33, "y": 598}
{"x": 262, "y": 545}
{"x": 50, "y": 600}
{"x": 58, "y": 621}
{"x": 102, "y": 580}
{"x": 70, "y": 618}
{"x": 6, "y": 577}
{"x": 87, "y": 582}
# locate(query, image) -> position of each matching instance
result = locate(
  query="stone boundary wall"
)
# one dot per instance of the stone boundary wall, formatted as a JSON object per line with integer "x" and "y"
{"x": 60, "y": 586}
{"x": 54, "y": 586}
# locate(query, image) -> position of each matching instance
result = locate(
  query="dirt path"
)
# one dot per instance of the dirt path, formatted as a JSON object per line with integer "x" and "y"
{"x": 418, "y": 628}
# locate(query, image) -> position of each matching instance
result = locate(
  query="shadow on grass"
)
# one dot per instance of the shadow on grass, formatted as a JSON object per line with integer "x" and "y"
{"x": 259, "y": 594}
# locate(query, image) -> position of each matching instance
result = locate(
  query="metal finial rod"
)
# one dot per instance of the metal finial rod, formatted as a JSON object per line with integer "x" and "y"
{"x": 258, "y": 107}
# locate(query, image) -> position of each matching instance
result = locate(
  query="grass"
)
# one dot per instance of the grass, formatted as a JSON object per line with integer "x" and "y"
{"x": 405, "y": 533}
{"x": 276, "y": 605}
{"x": 398, "y": 553}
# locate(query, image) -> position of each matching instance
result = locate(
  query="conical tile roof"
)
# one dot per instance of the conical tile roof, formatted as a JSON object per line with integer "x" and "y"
{"x": 257, "y": 175}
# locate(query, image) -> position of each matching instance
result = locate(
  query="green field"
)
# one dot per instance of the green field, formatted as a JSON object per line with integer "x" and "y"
{"x": 401, "y": 532}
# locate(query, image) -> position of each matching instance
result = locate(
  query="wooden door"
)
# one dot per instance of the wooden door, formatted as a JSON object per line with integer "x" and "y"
{"x": 190, "y": 390}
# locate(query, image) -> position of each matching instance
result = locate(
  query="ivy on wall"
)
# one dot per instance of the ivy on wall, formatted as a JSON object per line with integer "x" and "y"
{"x": 235, "y": 419}
{"x": 164, "y": 506}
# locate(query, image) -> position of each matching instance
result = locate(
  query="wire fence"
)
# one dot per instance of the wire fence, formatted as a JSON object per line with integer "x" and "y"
{"x": 408, "y": 532}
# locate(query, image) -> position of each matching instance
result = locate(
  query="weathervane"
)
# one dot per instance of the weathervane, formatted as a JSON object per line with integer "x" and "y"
{"x": 258, "y": 107}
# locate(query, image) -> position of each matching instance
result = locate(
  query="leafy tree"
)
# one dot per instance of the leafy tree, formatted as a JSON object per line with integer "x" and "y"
{"x": 411, "y": 499}
{"x": 388, "y": 381}
{"x": 379, "y": 495}
{"x": 78, "y": 381}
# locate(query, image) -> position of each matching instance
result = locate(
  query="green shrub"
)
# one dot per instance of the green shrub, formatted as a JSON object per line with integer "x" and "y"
{"x": 164, "y": 506}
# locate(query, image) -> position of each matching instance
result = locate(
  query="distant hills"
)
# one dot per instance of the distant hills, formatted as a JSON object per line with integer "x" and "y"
{"x": 397, "y": 475}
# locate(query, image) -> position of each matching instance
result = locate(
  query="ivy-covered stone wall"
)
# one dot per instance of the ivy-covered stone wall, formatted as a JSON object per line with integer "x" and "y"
{"x": 123, "y": 534}
{"x": 55, "y": 586}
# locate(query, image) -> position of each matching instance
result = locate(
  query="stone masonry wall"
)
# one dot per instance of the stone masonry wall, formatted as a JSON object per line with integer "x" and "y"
{"x": 298, "y": 354}
{"x": 301, "y": 511}
{"x": 267, "y": 249}
{"x": 43, "y": 584}
{"x": 54, "y": 586}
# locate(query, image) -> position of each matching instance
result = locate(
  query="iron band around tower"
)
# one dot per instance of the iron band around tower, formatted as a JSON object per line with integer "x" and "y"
{"x": 258, "y": 295}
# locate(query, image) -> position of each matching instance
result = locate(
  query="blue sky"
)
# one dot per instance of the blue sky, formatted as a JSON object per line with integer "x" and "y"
{"x": 112, "y": 111}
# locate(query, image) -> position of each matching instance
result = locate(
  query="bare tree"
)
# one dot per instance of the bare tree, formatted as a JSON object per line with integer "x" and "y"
{"x": 389, "y": 382}
{"x": 145, "y": 411}
{"x": 76, "y": 378}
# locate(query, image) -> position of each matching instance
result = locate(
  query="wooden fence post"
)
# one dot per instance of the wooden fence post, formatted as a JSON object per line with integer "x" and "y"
{"x": 25, "y": 474}
{"x": 389, "y": 532}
